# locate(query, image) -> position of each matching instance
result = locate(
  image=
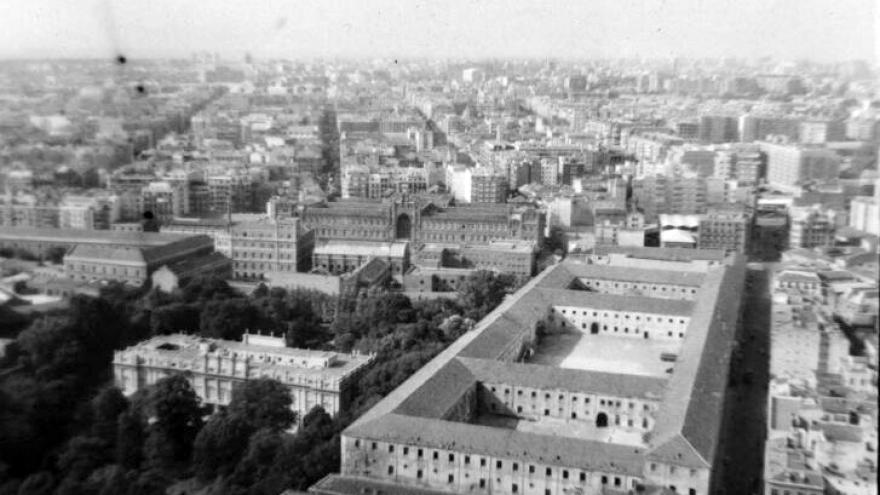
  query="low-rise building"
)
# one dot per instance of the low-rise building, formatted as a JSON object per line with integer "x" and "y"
{"x": 811, "y": 227}
{"x": 337, "y": 257}
{"x": 132, "y": 264}
{"x": 175, "y": 275}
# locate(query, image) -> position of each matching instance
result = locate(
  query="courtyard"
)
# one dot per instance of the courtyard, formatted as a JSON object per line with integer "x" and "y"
{"x": 606, "y": 353}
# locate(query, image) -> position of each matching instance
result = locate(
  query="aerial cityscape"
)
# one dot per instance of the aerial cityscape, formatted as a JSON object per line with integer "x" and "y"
{"x": 461, "y": 247}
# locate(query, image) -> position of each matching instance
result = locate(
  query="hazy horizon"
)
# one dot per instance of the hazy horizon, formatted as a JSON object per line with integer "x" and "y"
{"x": 819, "y": 30}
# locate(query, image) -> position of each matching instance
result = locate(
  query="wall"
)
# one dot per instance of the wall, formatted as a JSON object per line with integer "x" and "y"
{"x": 625, "y": 324}
{"x": 460, "y": 472}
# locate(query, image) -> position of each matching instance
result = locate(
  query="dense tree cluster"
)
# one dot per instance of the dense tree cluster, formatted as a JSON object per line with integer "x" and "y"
{"x": 65, "y": 430}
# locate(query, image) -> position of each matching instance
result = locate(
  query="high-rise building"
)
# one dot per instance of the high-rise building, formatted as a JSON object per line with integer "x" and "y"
{"x": 821, "y": 131}
{"x": 728, "y": 228}
{"x": 488, "y": 187}
{"x": 790, "y": 165}
{"x": 811, "y": 226}
{"x": 864, "y": 213}
{"x": 656, "y": 194}
{"x": 719, "y": 129}
{"x": 759, "y": 127}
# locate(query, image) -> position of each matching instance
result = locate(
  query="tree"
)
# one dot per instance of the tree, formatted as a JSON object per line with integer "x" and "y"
{"x": 483, "y": 291}
{"x": 175, "y": 317}
{"x": 261, "y": 291}
{"x": 150, "y": 482}
{"x": 262, "y": 448}
{"x": 81, "y": 456}
{"x": 206, "y": 287}
{"x": 220, "y": 444}
{"x": 131, "y": 433}
{"x": 229, "y": 319}
{"x": 106, "y": 408}
{"x": 262, "y": 403}
{"x": 178, "y": 419}
{"x": 40, "y": 483}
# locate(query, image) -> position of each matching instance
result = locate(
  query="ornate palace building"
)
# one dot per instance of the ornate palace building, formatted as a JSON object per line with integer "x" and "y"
{"x": 422, "y": 219}
{"x": 485, "y": 231}
{"x": 593, "y": 378}
{"x": 214, "y": 367}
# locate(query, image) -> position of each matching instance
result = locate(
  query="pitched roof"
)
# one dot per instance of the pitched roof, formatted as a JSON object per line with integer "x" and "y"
{"x": 693, "y": 405}
{"x": 671, "y": 254}
{"x": 362, "y": 248}
{"x": 571, "y": 380}
{"x": 107, "y": 254}
{"x": 623, "y": 274}
{"x": 102, "y": 237}
{"x": 616, "y": 302}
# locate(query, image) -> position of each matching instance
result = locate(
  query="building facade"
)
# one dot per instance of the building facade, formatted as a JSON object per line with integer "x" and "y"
{"x": 214, "y": 368}
{"x": 729, "y": 229}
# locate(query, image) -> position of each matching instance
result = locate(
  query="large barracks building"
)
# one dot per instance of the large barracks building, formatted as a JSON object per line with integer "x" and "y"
{"x": 605, "y": 375}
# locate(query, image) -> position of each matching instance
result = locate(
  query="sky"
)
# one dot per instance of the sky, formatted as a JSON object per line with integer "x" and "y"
{"x": 822, "y": 30}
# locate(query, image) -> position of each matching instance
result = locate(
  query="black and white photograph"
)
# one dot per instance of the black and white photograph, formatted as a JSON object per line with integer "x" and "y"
{"x": 439, "y": 247}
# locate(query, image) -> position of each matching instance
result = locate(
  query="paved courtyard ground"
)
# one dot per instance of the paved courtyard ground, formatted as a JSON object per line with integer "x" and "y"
{"x": 606, "y": 353}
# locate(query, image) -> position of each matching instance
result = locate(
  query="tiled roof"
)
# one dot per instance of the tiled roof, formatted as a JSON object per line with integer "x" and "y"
{"x": 624, "y": 274}
{"x": 361, "y": 248}
{"x": 188, "y": 265}
{"x": 107, "y": 254}
{"x": 571, "y": 380}
{"x": 439, "y": 393}
{"x": 687, "y": 423}
{"x": 670, "y": 254}
{"x": 77, "y": 236}
{"x": 180, "y": 247}
{"x": 693, "y": 405}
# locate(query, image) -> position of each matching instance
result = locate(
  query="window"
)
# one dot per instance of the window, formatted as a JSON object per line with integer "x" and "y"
{"x": 436, "y": 455}
{"x": 498, "y": 464}
{"x": 549, "y": 471}
{"x": 419, "y": 474}
{"x": 514, "y": 488}
{"x": 421, "y": 453}
{"x": 616, "y": 481}
{"x": 406, "y": 451}
{"x": 467, "y": 459}
{"x": 451, "y": 457}
{"x": 451, "y": 479}
{"x": 565, "y": 474}
{"x": 357, "y": 444}
{"x": 482, "y": 483}
{"x": 390, "y": 469}
{"x": 374, "y": 446}
{"x": 531, "y": 469}
{"x": 390, "y": 449}
{"x": 583, "y": 476}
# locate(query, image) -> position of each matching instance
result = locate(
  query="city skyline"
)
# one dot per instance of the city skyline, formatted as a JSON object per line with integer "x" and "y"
{"x": 815, "y": 29}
